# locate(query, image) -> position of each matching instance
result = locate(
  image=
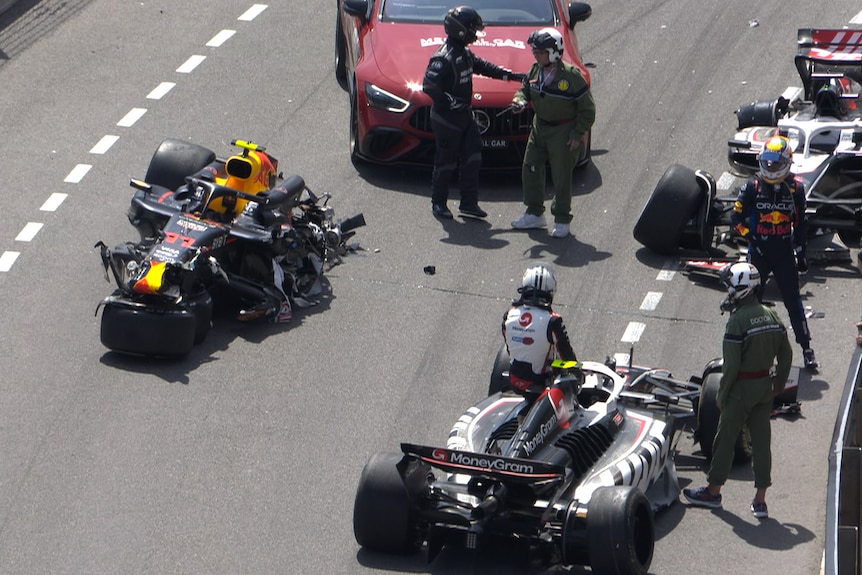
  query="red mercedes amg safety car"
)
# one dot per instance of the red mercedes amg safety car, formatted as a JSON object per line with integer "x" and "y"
{"x": 382, "y": 48}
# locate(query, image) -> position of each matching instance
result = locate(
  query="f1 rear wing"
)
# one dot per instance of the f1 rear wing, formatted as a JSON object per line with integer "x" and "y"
{"x": 830, "y": 45}
{"x": 484, "y": 464}
{"x": 826, "y": 52}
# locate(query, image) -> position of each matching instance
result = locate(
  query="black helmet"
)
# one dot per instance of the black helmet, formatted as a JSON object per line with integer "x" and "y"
{"x": 462, "y": 23}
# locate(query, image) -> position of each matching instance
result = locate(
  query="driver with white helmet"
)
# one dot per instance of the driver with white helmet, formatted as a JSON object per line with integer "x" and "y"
{"x": 534, "y": 333}
{"x": 770, "y": 213}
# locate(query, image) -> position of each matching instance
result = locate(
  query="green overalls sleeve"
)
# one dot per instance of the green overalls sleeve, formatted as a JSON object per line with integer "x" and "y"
{"x": 732, "y": 354}
{"x": 586, "y": 113}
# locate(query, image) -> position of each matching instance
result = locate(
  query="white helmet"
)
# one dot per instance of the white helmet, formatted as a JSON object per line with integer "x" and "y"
{"x": 547, "y": 39}
{"x": 538, "y": 282}
{"x": 742, "y": 279}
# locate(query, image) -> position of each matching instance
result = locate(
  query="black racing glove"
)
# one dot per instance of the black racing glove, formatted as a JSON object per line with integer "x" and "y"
{"x": 801, "y": 261}
{"x": 512, "y": 77}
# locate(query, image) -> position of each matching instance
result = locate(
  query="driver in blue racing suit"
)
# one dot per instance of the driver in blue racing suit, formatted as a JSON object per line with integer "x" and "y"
{"x": 770, "y": 213}
{"x": 533, "y": 332}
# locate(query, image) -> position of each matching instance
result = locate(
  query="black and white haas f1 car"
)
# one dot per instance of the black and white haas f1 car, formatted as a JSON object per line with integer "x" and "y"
{"x": 215, "y": 228}
{"x": 576, "y": 476}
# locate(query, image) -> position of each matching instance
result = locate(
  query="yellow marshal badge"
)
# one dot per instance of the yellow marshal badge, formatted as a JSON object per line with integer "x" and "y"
{"x": 563, "y": 85}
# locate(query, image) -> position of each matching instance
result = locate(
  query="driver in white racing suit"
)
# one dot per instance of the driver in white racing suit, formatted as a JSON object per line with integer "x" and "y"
{"x": 534, "y": 332}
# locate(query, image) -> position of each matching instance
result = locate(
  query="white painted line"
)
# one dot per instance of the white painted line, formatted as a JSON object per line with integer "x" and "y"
{"x": 160, "y": 90}
{"x": 633, "y": 332}
{"x": 622, "y": 359}
{"x": 77, "y": 174}
{"x": 857, "y": 19}
{"x": 191, "y": 64}
{"x": 104, "y": 144}
{"x": 133, "y": 116}
{"x": 651, "y": 301}
{"x": 667, "y": 271}
{"x": 220, "y": 38}
{"x": 28, "y": 232}
{"x": 53, "y": 202}
{"x": 7, "y": 259}
{"x": 726, "y": 181}
{"x": 252, "y": 12}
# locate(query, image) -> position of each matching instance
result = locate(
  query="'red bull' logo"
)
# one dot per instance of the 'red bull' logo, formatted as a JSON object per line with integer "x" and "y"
{"x": 774, "y": 223}
{"x": 775, "y": 218}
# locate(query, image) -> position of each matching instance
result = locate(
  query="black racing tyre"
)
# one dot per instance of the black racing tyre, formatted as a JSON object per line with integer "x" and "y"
{"x": 140, "y": 330}
{"x": 674, "y": 201}
{"x": 620, "y": 531}
{"x": 698, "y": 234}
{"x": 382, "y": 511}
{"x": 202, "y": 308}
{"x": 708, "y": 414}
{"x": 176, "y": 159}
{"x": 500, "y": 373}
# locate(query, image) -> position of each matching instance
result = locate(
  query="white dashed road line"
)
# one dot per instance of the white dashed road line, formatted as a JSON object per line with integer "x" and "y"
{"x": 77, "y": 174}
{"x": 191, "y": 64}
{"x": 53, "y": 202}
{"x": 633, "y": 332}
{"x": 7, "y": 259}
{"x": 651, "y": 300}
{"x": 28, "y": 232}
{"x": 667, "y": 271}
{"x": 252, "y": 12}
{"x": 220, "y": 38}
{"x": 133, "y": 116}
{"x": 159, "y": 92}
{"x": 104, "y": 144}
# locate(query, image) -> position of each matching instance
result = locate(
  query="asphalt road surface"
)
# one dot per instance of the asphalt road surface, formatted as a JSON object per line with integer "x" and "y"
{"x": 244, "y": 457}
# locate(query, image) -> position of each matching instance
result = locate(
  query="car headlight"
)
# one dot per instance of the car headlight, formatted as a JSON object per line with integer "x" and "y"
{"x": 383, "y": 100}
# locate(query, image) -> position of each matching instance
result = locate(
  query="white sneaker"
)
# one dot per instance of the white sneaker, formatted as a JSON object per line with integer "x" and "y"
{"x": 560, "y": 230}
{"x": 529, "y": 222}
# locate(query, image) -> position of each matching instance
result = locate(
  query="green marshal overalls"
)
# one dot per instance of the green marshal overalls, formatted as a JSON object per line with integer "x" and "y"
{"x": 753, "y": 340}
{"x": 564, "y": 110}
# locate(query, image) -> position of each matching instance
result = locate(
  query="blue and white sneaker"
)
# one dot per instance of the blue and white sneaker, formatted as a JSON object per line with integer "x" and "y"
{"x": 758, "y": 509}
{"x": 701, "y": 497}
